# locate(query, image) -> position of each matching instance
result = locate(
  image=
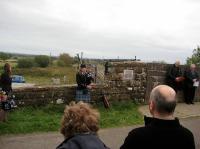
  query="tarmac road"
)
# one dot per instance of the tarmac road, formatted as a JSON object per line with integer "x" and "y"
{"x": 112, "y": 137}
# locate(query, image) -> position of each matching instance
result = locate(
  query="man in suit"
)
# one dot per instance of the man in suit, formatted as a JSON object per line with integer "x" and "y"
{"x": 190, "y": 84}
{"x": 163, "y": 130}
{"x": 173, "y": 76}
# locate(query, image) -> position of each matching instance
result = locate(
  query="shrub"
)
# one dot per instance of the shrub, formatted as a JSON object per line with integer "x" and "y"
{"x": 60, "y": 63}
{"x": 195, "y": 58}
{"x": 65, "y": 60}
{"x": 25, "y": 63}
{"x": 42, "y": 60}
{"x": 4, "y": 56}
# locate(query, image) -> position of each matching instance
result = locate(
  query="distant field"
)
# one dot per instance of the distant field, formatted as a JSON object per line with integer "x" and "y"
{"x": 43, "y": 76}
{"x": 13, "y": 63}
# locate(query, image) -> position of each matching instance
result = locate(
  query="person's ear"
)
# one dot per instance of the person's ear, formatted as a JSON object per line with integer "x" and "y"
{"x": 151, "y": 106}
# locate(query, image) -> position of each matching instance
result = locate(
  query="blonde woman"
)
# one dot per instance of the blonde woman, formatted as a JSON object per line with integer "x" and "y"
{"x": 79, "y": 127}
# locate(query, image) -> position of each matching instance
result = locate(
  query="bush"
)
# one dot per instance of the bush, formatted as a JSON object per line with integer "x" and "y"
{"x": 60, "y": 63}
{"x": 195, "y": 58}
{"x": 42, "y": 60}
{"x": 65, "y": 60}
{"x": 4, "y": 56}
{"x": 25, "y": 63}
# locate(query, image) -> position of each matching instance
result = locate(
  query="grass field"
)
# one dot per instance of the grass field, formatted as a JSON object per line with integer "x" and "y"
{"x": 45, "y": 119}
{"x": 43, "y": 76}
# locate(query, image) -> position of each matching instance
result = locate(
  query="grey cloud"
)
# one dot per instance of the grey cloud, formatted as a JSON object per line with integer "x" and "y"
{"x": 36, "y": 33}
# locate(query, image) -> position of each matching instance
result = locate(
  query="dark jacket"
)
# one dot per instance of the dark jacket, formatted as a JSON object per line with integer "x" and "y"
{"x": 82, "y": 141}
{"x": 159, "y": 134}
{"x": 189, "y": 76}
{"x": 6, "y": 82}
{"x": 83, "y": 80}
{"x": 172, "y": 73}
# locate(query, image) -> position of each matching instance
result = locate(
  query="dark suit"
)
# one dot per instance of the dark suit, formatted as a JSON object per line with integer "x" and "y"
{"x": 189, "y": 89}
{"x": 159, "y": 134}
{"x": 172, "y": 73}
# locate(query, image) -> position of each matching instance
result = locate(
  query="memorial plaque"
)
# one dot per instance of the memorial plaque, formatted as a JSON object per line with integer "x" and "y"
{"x": 128, "y": 75}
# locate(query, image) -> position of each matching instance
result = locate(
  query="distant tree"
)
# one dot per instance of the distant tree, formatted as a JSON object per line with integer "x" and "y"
{"x": 195, "y": 58}
{"x": 65, "y": 60}
{"x": 42, "y": 60}
{"x": 25, "y": 63}
{"x": 4, "y": 56}
{"x": 60, "y": 63}
{"x": 15, "y": 57}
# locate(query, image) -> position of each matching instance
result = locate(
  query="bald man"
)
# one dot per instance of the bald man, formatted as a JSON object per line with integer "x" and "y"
{"x": 172, "y": 76}
{"x": 163, "y": 130}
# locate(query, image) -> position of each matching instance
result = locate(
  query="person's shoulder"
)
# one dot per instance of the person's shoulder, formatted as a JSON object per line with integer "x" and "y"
{"x": 84, "y": 141}
{"x": 138, "y": 132}
{"x": 3, "y": 74}
{"x": 134, "y": 138}
{"x": 69, "y": 143}
{"x": 78, "y": 74}
{"x": 186, "y": 131}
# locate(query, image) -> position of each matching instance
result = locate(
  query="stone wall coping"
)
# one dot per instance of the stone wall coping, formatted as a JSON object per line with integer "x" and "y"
{"x": 52, "y": 87}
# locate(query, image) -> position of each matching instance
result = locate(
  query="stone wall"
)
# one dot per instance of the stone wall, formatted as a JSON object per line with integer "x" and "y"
{"x": 51, "y": 94}
{"x": 132, "y": 86}
{"x": 125, "y": 81}
{"x": 145, "y": 77}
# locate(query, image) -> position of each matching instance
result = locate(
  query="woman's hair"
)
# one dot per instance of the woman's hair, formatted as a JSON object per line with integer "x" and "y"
{"x": 7, "y": 68}
{"x": 79, "y": 118}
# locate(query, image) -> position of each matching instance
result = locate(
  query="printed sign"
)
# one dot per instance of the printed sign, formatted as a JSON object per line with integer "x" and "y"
{"x": 128, "y": 75}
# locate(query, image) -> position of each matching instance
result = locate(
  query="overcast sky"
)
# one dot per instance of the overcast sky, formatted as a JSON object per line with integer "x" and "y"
{"x": 152, "y": 30}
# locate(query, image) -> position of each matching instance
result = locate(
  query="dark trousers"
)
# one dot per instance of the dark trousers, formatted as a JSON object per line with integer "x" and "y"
{"x": 189, "y": 93}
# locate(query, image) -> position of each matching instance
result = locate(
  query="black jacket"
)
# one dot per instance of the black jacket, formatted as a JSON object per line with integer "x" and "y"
{"x": 83, "y": 80}
{"x": 6, "y": 82}
{"x": 82, "y": 141}
{"x": 189, "y": 76}
{"x": 159, "y": 134}
{"x": 172, "y": 73}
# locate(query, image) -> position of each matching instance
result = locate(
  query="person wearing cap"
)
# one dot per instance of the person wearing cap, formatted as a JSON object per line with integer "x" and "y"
{"x": 83, "y": 85}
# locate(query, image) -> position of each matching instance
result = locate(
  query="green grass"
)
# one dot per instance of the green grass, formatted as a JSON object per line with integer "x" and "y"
{"x": 45, "y": 119}
{"x": 43, "y": 76}
{"x": 120, "y": 114}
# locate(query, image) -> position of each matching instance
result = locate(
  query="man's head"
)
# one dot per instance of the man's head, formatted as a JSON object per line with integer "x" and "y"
{"x": 83, "y": 68}
{"x": 177, "y": 63}
{"x": 192, "y": 67}
{"x": 162, "y": 101}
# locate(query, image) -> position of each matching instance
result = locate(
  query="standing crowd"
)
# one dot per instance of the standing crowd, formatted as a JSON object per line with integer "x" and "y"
{"x": 80, "y": 121}
{"x": 187, "y": 81}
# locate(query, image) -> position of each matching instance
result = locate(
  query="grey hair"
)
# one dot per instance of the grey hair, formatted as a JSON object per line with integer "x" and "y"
{"x": 162, "y": 104}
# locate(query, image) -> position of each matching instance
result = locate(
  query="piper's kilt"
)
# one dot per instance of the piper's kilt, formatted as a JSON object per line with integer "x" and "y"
{"x": 83, "y": 95}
